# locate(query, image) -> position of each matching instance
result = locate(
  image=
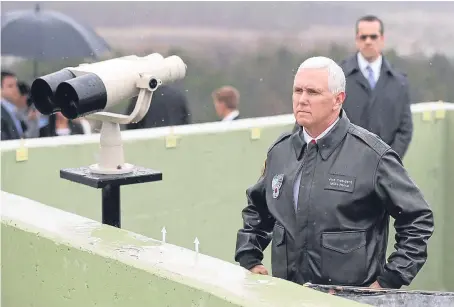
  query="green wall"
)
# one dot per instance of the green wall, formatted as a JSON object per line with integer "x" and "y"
{"x": 428, "y": 163}
{"x": 205, "y": 178}
{"x": 62, "y": 259}
{"x": 448, "y": 230}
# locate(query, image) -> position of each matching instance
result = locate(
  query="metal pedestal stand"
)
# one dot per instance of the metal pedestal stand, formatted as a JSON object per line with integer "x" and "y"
{"x": 110, "y": 185}
{"x": 110, "y": 173}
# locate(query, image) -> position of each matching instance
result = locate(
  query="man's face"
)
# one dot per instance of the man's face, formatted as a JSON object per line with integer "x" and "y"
{"x": 22, "y": 101}
{"x": 10, "y": 91}
{"x": 369, "y": 41}
{"x": 313, "y": 103}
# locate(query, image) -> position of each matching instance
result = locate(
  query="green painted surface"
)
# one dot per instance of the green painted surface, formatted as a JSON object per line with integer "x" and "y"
{"x": 204, "y": 182}
{"x": 448, "y": 214}
{"x": 427, "y": 165}
{"x": 66, "y": 260}
{"x": 201, "y": 195}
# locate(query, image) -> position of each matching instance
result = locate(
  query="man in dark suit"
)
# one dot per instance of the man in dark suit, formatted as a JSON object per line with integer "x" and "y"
{"x": 11, "y": 126}
{"x": 169, "y": 107}
{"x": 377, "y": 94}
{"x": 226, "y": 100}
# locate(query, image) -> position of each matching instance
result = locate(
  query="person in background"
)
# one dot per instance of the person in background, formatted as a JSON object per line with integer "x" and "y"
{"x": 377, "y": 94}
{"x": 59, "y": 125}
{"x": 226, "y": 100}
{"x": 11, "y": 126}
{"x": 29, "y": 116}
{"x": 169, "y": 107}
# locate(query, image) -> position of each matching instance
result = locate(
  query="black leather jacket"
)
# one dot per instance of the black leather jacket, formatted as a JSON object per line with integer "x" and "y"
{"x": 337, "y": 232}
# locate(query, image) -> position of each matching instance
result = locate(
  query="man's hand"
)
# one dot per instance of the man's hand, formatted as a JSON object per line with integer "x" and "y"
{"x": 375, "y": 285}
{"x": 61, "y": 122}
{"x": 32, "y": 115}
{"x": 259, "y": 269}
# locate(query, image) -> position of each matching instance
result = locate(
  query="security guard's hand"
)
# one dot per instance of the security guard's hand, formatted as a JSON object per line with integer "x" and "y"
{"x": 259, "y": 269}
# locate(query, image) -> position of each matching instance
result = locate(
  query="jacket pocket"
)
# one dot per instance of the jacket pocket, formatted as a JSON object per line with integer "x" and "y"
{"x": 279, "y": 252}
{"x": 344, "y": 257}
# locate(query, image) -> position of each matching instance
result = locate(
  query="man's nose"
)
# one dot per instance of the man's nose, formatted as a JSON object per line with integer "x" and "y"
{"x": 303, "y": 98}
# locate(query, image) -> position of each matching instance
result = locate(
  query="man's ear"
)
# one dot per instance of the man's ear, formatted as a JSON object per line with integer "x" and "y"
{"x": 340, "y": 98}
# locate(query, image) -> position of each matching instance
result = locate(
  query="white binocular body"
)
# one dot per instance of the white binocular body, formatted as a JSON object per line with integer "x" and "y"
{"x": 90, "y": 88}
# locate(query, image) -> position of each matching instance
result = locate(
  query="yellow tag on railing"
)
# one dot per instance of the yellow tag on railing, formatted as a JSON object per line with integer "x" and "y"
{"x": 22, "y": 152}
{"x": 171, "y": 139}
{"x": 427, "y": 116}
{"x": 255, "y": 133}
{"x": 441, "y": 113}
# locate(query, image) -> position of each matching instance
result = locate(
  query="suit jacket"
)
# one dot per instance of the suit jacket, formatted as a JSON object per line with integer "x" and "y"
{"x": 9, "y": 130}
{"x": 169, "y": 107}
{"x": 385, "y": 110}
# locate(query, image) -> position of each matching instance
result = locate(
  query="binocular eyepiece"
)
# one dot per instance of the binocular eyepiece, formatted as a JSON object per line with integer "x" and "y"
{"x": 73, "y": 96}
{"x": 43, "y": 91}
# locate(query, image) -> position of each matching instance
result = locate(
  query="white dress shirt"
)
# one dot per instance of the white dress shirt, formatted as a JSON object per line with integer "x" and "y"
{"x": 375, "y": 65}
{"x": 308, "y": 139}
{"x": 231, "y": 115}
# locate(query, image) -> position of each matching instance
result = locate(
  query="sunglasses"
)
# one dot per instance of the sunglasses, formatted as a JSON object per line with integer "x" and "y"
{"x": 365, "y": 36}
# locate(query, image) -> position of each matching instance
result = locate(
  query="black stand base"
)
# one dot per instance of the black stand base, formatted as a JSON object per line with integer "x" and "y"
{"x": 110, "y": 185}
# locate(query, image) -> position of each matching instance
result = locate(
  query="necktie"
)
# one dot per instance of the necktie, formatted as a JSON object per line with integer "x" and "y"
{"x": 370, "y": 77}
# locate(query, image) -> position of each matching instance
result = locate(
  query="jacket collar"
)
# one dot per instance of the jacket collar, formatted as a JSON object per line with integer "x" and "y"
{"x": 326, "y": 144}
{"x": 351, "y": 65}
{"x": 231, "y": 116}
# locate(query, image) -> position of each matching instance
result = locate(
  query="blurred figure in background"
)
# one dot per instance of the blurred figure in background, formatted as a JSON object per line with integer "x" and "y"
{"x": 29, "y": 116}
{"x": 226, "y": 100}
{"x": 377, "y": 94}
{"x": 169, "y": 107}
{"x": 59, "y": 125}
{"x": 11, "y": 126}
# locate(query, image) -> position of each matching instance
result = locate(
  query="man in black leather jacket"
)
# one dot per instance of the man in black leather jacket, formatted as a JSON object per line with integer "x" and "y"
{"x": 326, "y": 196}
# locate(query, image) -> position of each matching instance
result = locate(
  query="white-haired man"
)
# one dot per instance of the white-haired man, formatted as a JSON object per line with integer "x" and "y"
{"x": 326, "y": 194}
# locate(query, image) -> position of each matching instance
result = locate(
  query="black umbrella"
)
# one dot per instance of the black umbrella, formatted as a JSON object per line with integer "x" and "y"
{"x": 47, "y": 35}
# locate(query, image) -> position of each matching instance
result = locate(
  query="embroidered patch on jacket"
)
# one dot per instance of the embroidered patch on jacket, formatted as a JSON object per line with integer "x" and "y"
{"x": 340, "y": 183}
{"x": 276, "y": 185}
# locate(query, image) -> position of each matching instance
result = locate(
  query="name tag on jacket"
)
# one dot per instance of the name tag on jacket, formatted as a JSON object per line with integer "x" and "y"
{"x": 340, "y": 183}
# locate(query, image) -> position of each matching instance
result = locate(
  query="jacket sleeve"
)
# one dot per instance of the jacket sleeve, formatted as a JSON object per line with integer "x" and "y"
{"x": 404, "y": 133}
{"x": 258, "y": 224}
{"x": 414, "y": 222}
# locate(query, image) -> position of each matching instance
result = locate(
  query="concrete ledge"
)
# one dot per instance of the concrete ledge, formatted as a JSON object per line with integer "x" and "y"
{"x": 54, "y": 258}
